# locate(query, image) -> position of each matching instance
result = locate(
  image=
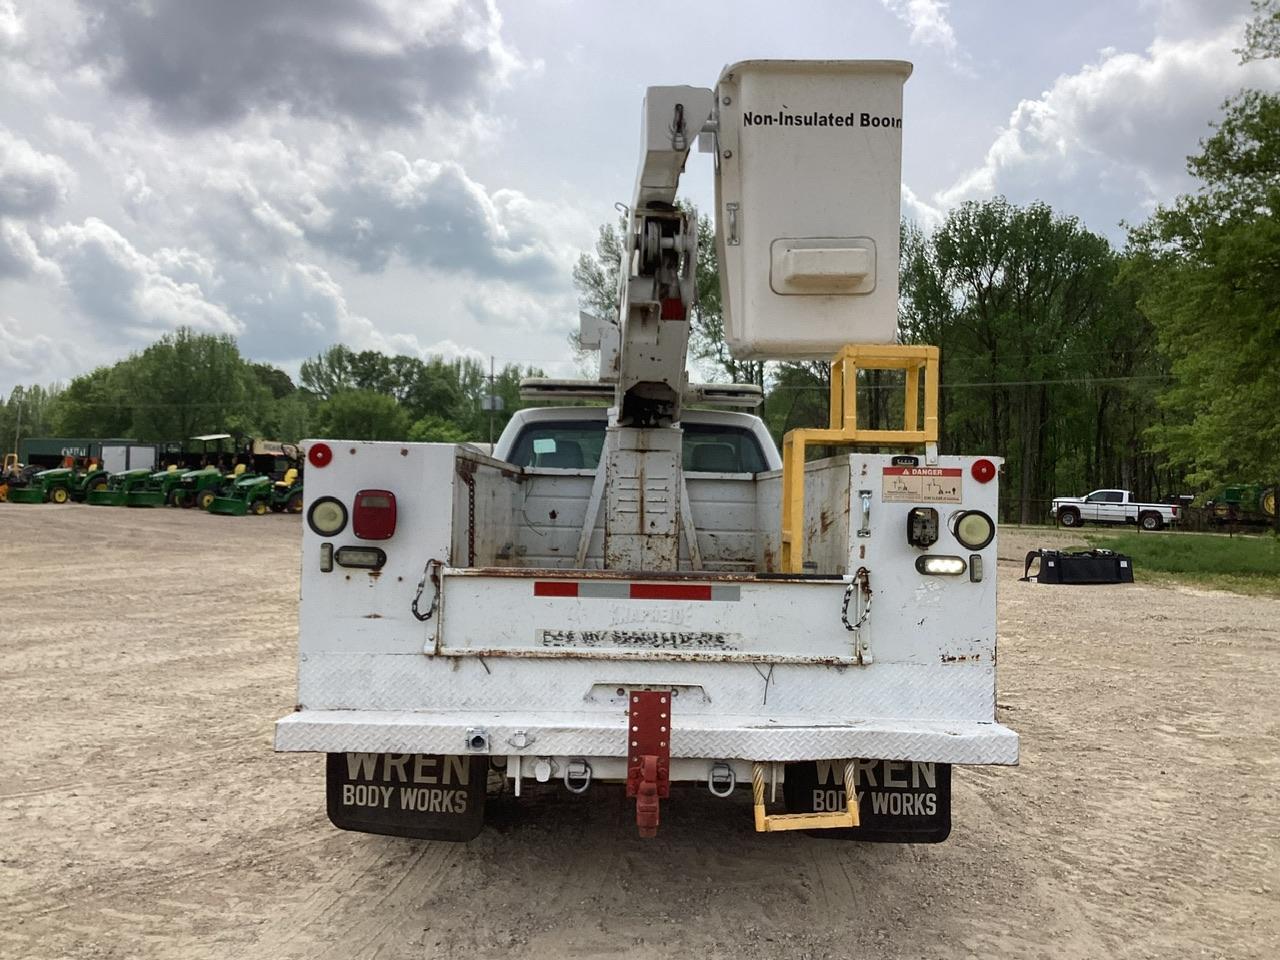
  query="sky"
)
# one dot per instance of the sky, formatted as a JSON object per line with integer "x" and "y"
{"x": 419, "y": 176}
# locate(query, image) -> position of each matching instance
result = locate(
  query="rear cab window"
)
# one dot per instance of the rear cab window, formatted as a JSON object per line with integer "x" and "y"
{"x": 577, "y": 445}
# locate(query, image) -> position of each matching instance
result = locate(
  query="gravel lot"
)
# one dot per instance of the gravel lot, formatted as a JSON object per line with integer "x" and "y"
{"x": 144, "y": 655}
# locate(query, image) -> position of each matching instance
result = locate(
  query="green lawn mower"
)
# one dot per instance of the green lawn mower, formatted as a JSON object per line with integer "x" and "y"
{"x": 259, "y": 495}
{"x": 116, "y": 493}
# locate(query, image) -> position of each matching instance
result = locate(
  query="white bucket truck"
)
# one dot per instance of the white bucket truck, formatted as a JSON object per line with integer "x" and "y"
{"x": 647, "y": 593}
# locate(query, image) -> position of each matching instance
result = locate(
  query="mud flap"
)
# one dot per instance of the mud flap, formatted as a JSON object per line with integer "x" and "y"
{"x": 425, "y": 796}
{"x": 899, "y": 801}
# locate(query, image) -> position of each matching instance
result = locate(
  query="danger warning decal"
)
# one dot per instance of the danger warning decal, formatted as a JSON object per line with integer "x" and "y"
{"x": 922, "y": 485}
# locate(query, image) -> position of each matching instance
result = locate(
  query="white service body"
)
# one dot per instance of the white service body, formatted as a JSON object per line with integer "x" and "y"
{"x": 765, "y": 668}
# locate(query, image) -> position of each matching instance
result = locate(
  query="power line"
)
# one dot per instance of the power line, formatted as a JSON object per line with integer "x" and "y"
{"x": 981, "y": 384}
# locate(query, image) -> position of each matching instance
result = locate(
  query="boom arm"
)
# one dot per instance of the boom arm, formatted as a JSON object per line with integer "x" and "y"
{"x": 658, "y": 276}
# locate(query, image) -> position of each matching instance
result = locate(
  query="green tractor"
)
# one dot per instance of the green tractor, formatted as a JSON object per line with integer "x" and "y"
{"x": 1243, "y": 504}
{"x": 116, "y": 492}
{"x": 59, "y": 485}
{"x": 199, "y": 488}
{"x": 217, "y": 458}
{"x": 259, "y": 495}
{"x": 161, "y": 488}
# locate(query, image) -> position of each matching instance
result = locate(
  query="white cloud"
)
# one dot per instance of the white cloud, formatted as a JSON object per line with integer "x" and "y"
{"x": 930, "y": 26}
{"x": 919, "y": 211}
{"x": 33, "y": 357}
{"x": 31, "y": 183}
{"x": 1115, "y": 135}
{"x": 20, "y": 257}
{"x": 128, "y": 293}
{"x": 368, "y": 62}
{"x": 433, "y": 214}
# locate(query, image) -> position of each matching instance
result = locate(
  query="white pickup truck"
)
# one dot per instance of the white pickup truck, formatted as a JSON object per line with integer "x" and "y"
{"x": 1112, "y": 506}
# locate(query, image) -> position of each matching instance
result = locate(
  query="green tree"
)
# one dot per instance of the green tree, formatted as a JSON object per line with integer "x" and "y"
{"x": 93, "y": 405}
{"x": 187, "y": 383}
{"x": 1209, "y": 270}
{"x": 1262, "y": 33}
{"x": 1025, "y": 306}
{"x": 329, "y": 373}
{"x": 361, "y": 415}
{"x": 433, "y": 429}
{"x": 27, "y": 412}
{"x": 274, "y": 379}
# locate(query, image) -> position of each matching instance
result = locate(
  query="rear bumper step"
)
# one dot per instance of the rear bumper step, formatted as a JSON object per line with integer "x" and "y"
{"x": 605, "y": 735}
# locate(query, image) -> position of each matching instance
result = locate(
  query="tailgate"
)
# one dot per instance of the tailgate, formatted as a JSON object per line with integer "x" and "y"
{"x": 715, "y": 618}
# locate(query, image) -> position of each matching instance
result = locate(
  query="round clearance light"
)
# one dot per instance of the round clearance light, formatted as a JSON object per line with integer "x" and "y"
{"x": 984, "y": 471}
{"x": 327, "y": 516}
{"x": 974, "y": 529}
{"x": 319, "y": 454}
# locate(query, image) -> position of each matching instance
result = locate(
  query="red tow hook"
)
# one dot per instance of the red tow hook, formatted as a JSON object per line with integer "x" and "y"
{"x": 649, "y": 755}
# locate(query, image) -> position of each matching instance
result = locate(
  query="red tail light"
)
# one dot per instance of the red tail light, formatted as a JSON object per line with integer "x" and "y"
{"x": 1175, "y": 511}
{"x": 374, "y": 517}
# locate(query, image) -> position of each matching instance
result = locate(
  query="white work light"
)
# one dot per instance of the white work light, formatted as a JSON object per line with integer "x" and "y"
{"x": 940, "y": 566}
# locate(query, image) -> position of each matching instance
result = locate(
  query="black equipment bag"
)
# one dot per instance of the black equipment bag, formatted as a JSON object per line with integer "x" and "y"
{"x": 1090, "y": 566}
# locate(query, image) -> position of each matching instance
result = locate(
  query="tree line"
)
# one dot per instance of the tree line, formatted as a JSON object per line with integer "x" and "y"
{"x": 189, "y": 383}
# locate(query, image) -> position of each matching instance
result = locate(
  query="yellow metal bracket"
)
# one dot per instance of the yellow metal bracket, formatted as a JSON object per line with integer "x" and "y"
{"x": 772, "y": 823}
{"x": 914, "y": 361}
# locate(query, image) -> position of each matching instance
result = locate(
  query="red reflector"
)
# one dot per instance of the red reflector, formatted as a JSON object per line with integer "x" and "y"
{"x": 555, "y": 588}
{"x": 670, "y": 591}
{"x": 319, "y": 454}
{"x": 374, "y": 516}
{"x": 983, "y": 471}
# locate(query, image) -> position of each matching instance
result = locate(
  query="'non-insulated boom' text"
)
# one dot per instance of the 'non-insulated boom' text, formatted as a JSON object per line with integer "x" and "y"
{"x": 785, "y": 119}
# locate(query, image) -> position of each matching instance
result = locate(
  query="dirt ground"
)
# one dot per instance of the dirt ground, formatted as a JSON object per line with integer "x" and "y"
{"x": 144, "y": 655}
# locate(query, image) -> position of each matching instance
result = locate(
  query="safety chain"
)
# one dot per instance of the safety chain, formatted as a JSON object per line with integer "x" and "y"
{"x": 863, "y": 578}
{"x": 430, "y": 572}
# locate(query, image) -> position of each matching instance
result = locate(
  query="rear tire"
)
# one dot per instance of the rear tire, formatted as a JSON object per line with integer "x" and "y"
{"x": 1150, "y": 521}
{"x": 294, "y": 503}
{"x": 204, "y": 498}
{"x": 1070, "y": 517}
{"x": 258, "y": 508}
{"x": 59, "y": 495}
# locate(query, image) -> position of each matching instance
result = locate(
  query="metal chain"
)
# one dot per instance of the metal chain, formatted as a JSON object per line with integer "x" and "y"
{"x": 861, "y": 578}
{"x": 430, "y": 572}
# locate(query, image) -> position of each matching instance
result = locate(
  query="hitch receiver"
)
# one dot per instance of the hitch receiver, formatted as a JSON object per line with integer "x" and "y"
{"x": 649, "y": 755}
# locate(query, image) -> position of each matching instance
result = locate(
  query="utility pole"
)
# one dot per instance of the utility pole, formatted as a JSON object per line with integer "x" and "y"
{"x": 491, "y": 401}
{"x": 17, "y": 430}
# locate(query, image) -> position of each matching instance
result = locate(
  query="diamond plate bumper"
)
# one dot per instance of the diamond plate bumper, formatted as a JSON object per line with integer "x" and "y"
{"x": 719, "y": 737}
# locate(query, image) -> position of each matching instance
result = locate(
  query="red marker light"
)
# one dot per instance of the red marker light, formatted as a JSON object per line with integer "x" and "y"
{"x": 319, "y": 454}
{"x": 984, "y": 471}
{"x": 374, "y": 517}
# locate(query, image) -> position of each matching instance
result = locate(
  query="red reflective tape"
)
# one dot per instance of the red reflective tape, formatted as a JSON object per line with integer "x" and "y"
{"x": 555, "y": 588}
{"x": 670, "y": 591}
